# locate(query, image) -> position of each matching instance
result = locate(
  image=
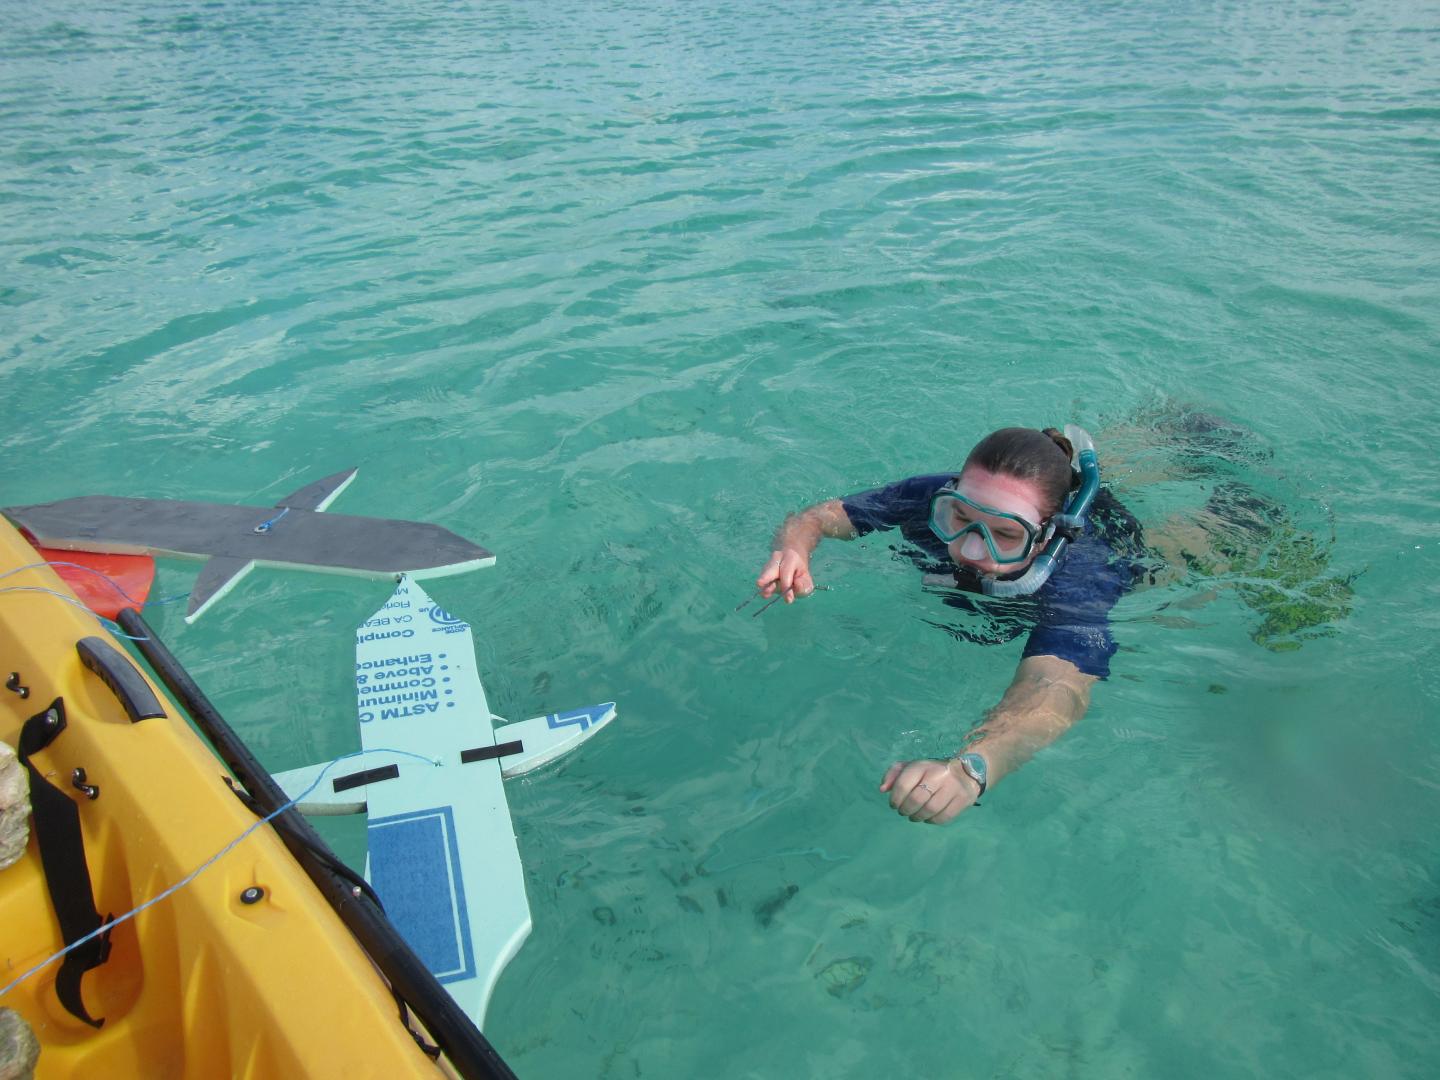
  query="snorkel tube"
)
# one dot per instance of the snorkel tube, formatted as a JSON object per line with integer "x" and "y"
{"x": 1067, "y": 524}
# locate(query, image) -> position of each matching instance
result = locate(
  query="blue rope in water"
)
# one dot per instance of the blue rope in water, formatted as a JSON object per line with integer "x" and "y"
{"x": 207, "y": 863}
{"x": 102, "y": 576}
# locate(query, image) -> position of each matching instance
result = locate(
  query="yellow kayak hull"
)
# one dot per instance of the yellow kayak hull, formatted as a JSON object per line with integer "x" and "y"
{"x": 201, "y": 984}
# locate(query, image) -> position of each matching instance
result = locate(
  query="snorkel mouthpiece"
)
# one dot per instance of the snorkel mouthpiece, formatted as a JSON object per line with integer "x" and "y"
{"x": 1069, "y": 522}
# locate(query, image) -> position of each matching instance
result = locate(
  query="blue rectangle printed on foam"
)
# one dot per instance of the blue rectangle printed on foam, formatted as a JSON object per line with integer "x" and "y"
{"x": 415, "y": 869}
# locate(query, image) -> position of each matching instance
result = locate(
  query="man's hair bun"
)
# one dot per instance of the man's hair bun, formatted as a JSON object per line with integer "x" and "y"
{"x": 1058, "y": 438}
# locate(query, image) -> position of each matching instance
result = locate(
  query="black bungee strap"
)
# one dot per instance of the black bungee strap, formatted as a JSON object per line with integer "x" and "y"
{"x": 62, "y": 854}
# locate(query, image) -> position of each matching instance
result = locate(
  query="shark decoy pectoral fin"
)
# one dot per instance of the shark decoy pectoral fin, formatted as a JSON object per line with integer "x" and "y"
{"x": 217, "y": 577}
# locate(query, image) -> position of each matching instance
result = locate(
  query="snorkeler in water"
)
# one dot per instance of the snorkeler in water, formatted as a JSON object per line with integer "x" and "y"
{"x": 1026, "y": 523}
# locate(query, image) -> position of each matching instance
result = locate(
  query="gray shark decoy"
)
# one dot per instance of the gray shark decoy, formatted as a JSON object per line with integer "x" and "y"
{"x": 234, "y": 539}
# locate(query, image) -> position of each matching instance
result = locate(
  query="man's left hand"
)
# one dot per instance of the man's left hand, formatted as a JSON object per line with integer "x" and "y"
{"x": 929, "y": 790}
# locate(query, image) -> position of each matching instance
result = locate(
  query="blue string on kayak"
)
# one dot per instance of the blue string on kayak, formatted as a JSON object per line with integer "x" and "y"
{"x": 208, "y": 862}
{"x": 109, "y": 624}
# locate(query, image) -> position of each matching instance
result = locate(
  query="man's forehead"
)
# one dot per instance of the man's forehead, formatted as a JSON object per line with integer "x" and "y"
{"x": 1002, "y": 492}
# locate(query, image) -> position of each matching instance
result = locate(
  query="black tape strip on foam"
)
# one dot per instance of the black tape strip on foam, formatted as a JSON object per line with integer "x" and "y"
{"x": 367, "y": 776}
{"x": 485, "y": 753}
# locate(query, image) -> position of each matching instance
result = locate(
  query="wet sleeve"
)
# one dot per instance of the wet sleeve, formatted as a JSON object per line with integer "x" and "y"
{"x": 1074, "y": 619}
{"x": 905, "y": 502}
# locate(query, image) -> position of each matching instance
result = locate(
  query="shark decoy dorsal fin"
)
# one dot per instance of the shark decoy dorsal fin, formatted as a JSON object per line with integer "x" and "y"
{"x": 320, "y": 494}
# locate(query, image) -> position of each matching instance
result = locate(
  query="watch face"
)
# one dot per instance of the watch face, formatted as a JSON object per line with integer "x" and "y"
{"x": 975, "y": 765}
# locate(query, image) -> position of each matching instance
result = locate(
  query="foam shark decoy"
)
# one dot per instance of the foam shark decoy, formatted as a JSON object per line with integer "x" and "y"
{"x": 293, "y": 534}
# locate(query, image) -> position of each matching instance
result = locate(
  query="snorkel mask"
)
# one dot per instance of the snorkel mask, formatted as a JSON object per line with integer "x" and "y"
{"x": 952, "y": 515}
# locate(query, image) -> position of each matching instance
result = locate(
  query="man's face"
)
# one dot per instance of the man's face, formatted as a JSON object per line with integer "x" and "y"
{"x": 1004, "y": 493}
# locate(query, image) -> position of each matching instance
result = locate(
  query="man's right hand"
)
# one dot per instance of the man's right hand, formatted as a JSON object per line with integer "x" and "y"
{"x": 789, "y": 571}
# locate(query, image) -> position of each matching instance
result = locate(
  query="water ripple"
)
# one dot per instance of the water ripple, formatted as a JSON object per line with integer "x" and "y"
{"x": 613, "y": 286}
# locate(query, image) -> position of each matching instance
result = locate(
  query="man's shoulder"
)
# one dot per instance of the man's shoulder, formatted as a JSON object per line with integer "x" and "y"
{"x": 910, "y": 489}
{"x": 922, "y": 486}
{"x": 901, "y": 502}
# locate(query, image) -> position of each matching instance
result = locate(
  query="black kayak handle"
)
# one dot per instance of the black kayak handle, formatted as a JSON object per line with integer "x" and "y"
{"x": 122, "y": 677}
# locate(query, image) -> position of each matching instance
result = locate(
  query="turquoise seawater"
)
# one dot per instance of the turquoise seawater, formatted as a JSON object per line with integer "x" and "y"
{"x": 612, "y": 286}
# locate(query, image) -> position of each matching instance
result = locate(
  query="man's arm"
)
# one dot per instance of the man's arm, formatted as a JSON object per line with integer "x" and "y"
{"x": 795, "y": 541}
{"x": 1044, "y": 699}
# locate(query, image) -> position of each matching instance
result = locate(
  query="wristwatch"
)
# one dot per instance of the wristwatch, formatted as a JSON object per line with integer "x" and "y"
{"x": 974, "y": 766}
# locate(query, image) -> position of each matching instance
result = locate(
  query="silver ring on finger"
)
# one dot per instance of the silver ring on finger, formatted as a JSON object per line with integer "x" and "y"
{"x": 926, "y": 786}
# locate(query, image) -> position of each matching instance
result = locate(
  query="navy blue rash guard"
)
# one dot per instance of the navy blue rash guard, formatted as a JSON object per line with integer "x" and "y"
{"x": 1067, "y": 617}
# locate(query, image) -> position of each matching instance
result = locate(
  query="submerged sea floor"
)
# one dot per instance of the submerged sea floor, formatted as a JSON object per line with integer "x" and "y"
{"x": 611, "y": 288}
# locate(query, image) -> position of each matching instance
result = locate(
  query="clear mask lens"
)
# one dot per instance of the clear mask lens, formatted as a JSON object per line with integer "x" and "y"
{"x": 974, "y": 547}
